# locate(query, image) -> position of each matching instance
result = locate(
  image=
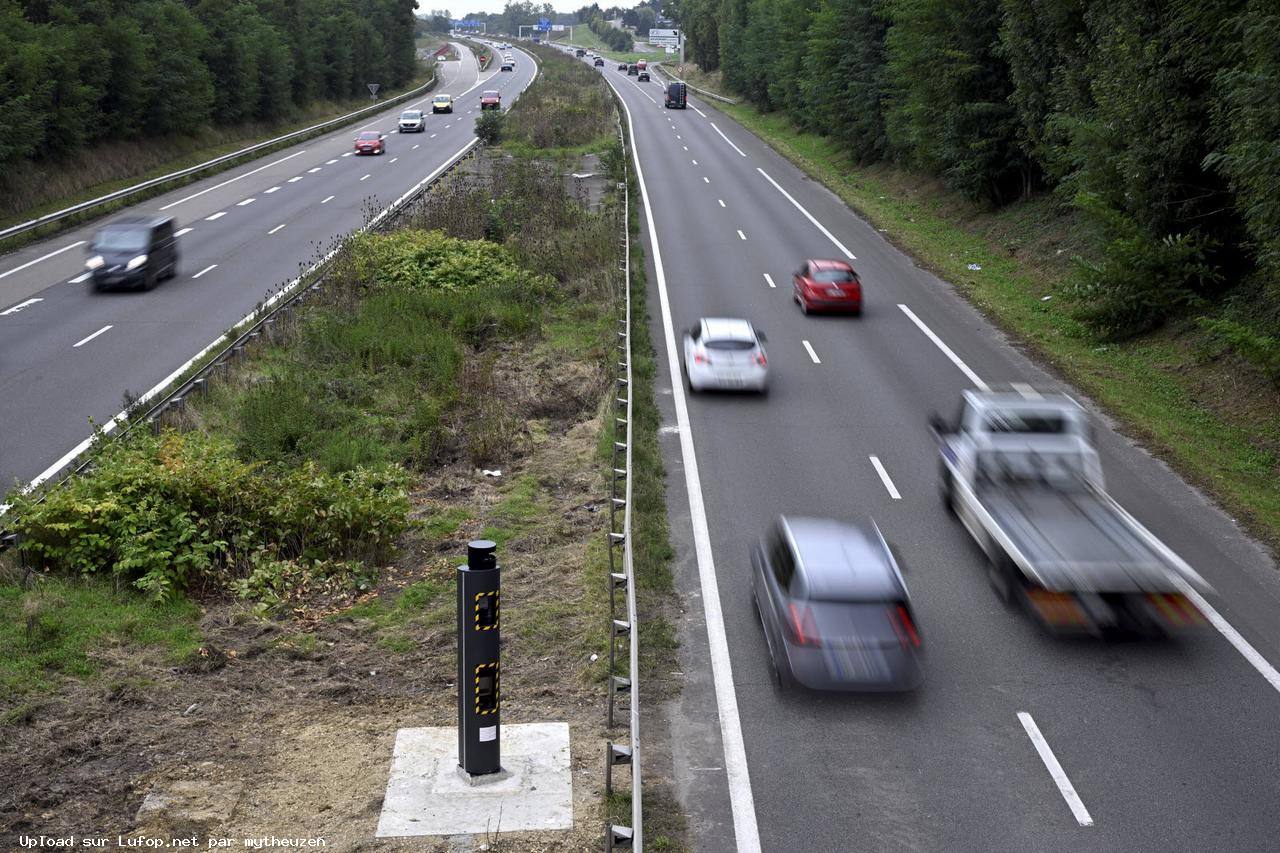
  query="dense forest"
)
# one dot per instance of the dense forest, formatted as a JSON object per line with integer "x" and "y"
{"x": 1159, "y": 119}
{"x": 74, "y": 72}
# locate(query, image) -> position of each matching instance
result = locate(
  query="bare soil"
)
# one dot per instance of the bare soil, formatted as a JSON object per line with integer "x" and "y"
{"x": 285, "y": 726}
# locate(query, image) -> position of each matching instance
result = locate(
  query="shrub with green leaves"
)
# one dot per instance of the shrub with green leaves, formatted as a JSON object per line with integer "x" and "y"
{"x": 179, "y": 511}
{"x": 430, "y": 261}
{"x": 489, "y": 126}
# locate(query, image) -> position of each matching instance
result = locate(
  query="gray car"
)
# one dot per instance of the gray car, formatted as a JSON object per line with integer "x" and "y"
{"x": 834, "y": 607}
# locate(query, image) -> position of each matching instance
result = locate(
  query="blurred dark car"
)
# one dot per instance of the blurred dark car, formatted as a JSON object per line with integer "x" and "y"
{"x": 642, "y": 77}
{"x": 599, "y": 62}
{"x": 135, "y": 251}
{"x": 622, "y": 66}
{"x": 834, "y": 607}
{"x": 632, "y": 69}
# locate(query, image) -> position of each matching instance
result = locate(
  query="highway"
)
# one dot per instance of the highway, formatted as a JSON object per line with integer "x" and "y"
{"x": 69, "y": 354}
{"x": 1016, "y": 741}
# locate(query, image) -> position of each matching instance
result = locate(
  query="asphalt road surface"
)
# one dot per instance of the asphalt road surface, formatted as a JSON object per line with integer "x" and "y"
{"x": 1016, "y": 741}
{"x": 68, "y": 354}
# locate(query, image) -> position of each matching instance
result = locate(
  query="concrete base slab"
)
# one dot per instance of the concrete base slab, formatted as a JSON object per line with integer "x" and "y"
{"x": 428, "y": 795}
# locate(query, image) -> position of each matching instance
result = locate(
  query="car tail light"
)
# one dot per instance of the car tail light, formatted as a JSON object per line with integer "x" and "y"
{"x": 701, "y": 358}
{"x": 760, "y": 359}
{"x": 903, "y": 626}
{"x": 803, "y": 629}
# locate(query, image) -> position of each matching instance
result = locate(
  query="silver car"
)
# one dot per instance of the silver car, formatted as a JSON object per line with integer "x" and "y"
{"x": 834, "y": 607}
{"x": 411, "y": 121}
{"x": 725, "y": 354}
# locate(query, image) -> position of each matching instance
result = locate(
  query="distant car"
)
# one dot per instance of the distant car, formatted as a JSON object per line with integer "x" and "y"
{"x": 725, "y": 354}
{"x": 622, "y": 66}
{"x": 580, "y": 52}
{"x": 599, "y": 63}
{"x": 442, "y": 104}
{"x": 642, "y": 77}
{"x": 677, "y": 96}
{"x": 632, "y": 69}
{"x": 834, "y": 607}
{"x": 642, "y": 65}
{"x": 136, "y": 251}
{"x": 827, "y": 286}
{"x": 491, "y": 99}
{"x": 507, "y": 66}
{"x": 412, "y": 121}
{"x": 371, "y": 142}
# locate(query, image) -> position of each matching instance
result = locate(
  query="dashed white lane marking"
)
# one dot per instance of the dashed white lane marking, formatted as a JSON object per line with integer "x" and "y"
{"x": 721, "y": 201}
{"x": 270, "y": 191}
{"x": 205, "y": 270}
{"x": 294, "y": 179}
{"x": 447, "y": 126}
{"x": 678, "y": 136}
{"x": 433, "y": 136}
{"x": 393, "y": 159}
{"x": 695, "y": 162}
{"x": 415, "y": 148}
{"x": 769, "y": 279}
{"x": 247, "y": 201}
{"x": 808, "y": 215}
{"x": 331, "y": 162}
{"x": 365, "y": 178}
{"x": 741, "y": 236}
{"x": 1027, "y": 392}
{"x": 216, "y": 216}
{"x": 727, "y": 139}
{"x": 84, "y": 276}
{"x": 348, "y": 154}
{"x": 946, "y": 350}
{"x": 41, "y": 258}
{"x": 705, "y": 179}
{"x": 277, "y": 228}
{"x": 327, "y": 200}
{"x": 1055, "y": 770}
{"x": 813, "y": 355}
{"x": 884, "y": 478}
{"x": 15, "y": 309}
{"x": 182, "y": 231}
{"x": 84, "y": 341}
{"x": 232, "y": 181}
{"x": 685, "y": 147}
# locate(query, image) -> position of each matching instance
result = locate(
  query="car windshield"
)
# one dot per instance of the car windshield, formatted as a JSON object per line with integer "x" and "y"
{"x": 730, "y": 344}
{"x": 442, "y": 99}
{"x": 1032, "y": 422}
{"x": 411, "y": 115}
{"x": 491, "y": 94}
{"x": 120, "y": 240}
{"x": 833, "y": 276}
{"x": 370, "y": 134}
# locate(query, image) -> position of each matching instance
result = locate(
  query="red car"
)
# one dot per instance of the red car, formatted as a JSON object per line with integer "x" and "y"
{"x": 827, "y": 286}
{"x": 370, "y": 142}
{"x": 491, "y": 100}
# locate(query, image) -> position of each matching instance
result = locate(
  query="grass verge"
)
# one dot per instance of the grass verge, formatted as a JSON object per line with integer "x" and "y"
{"x": 1216, "y": 427}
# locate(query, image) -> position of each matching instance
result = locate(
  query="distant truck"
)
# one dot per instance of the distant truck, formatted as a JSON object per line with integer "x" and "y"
{"x": 1023, "y": 476}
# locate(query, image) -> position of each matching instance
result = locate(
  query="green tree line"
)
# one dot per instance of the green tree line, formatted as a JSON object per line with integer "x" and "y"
{"x": 76, "y": 72}
{"x": 1158, "y": 118}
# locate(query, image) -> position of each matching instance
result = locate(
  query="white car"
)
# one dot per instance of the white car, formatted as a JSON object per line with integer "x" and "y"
{"x": 411, "y": 121}
{"x": 725, "y": 354}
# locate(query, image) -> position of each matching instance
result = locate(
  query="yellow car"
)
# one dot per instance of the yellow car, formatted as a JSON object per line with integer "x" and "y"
{"x": 442, "y": 104}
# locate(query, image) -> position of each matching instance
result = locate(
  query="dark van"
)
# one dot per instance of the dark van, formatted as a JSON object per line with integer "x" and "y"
{"x": 136, "y": 251}
{"x": 677, "y": 94}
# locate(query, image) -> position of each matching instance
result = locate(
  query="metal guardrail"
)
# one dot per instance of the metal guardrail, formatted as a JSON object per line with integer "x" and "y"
{"x": 624, "y": 837}
{"x": 703, "y": 92}
{"x": 118, "y": 195}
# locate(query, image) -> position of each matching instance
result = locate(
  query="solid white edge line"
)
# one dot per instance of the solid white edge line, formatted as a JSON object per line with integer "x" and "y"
{"x": 813, "y": 355}
{"x": 277, "y": 228}
{"x": 7, "y": 273}
{"x": 698, "y": 111}
{"x": 21, "y": 305}
{"x": 727, "y": 139}
{"x": 233, "y": 180}
{"x": 741, "y": 800}
{"x": 84, "y": 276}
{"x": 1243, "y": 646}
{"x": 1027, "y": 392}
{"x": 1059, "y": 775}
{"x": 768, "y": 278}
{"x": 159, "y": 388}
{"x": 205, "y": 270}
{"x": 884, "y": 478}
{"x": 808, "y": 215}
{"x": 84, "y": 341}
{"x": 946, "y": 350}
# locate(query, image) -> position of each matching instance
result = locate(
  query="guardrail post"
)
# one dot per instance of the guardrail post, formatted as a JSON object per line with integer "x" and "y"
{"x": 617, "y": 838}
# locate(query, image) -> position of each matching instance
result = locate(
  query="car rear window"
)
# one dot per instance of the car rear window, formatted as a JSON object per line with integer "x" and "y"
{"x": 730, "y": 345}
{"x": 491, "y": 94}
{"x": 833, "y": 276}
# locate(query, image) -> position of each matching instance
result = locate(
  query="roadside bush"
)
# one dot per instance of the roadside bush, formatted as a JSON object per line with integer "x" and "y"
{"x": 430, "y": 261}
{"x": 181, "y": 511}
{"x": 489, "y": 127}
{"x": 1261, "y": 351}
{"x": 1141, "y": 280}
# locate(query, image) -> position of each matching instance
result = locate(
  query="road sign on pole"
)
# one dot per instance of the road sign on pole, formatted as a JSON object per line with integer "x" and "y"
{"x": 373, "y": 89}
